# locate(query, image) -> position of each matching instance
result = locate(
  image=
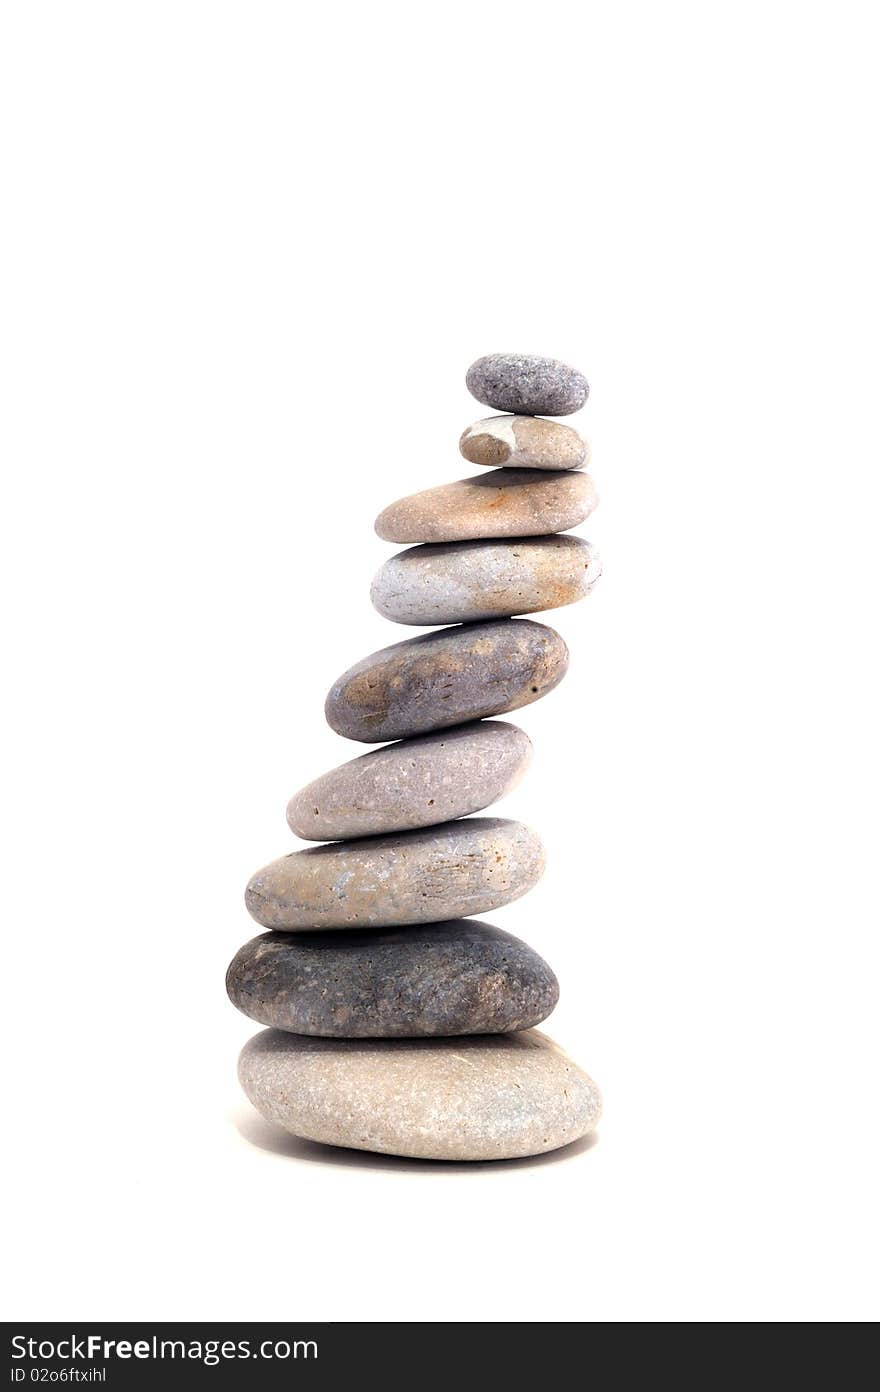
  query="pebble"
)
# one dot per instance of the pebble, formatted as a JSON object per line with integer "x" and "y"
{"x": 461, "y": 581}
{"x": 460, "y": 977}
{"x": 504, "y": 503}
{"x": 446, "y": 678}
{"x": 524, "y": 442}
{"x": 527, "y": 385}
{"x": 425, "y": 876}
{"x": 415, "y": 783}
{"x": 484, "y": 1097}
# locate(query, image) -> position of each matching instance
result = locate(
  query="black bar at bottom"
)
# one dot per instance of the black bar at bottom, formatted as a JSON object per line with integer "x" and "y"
{"x": 139, "y": 1355}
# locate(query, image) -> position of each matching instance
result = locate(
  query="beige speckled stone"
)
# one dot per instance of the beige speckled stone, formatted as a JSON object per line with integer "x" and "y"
{"x": 524, "y": 442}
{"x": 504, "y": 503}
{"x": 461, "y": 581}
{"x": 484, "y": 1097}
{"x": 448, "y": 871}
{"x": 446, "y": 678}
{"x": 415, "y": 783}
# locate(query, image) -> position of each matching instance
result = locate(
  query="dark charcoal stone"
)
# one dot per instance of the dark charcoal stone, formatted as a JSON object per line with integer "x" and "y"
{"x": 453, "y": 978}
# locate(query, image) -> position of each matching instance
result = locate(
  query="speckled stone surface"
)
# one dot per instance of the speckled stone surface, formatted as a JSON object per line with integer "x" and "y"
{"x": 460, "y": 977}
{"x": 446, "y": 678}
{"x": 503, "y": 503}
{"x": 524, "y": 442}
{"x": 414, "y": 783}
{"x": 448, "y": 871}
{"x": 483, "y": 1097}
{"x": 527, "y": 385}
{"x": 463, "y": 581}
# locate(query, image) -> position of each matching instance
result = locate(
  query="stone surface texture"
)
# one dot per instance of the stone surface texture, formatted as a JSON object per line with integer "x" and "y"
{"x": 484, "y": 1097}
{"x": 415, "y": 783}
{"x": 524, "y": 442}
{"x": 527, "y": 385}
{"x": 463, "y": 581}
{"x": 460, "y": 977}
{"x": 446, "y": 678}
{"x": 450, "y": 871}
{"x": 503, "y": 503}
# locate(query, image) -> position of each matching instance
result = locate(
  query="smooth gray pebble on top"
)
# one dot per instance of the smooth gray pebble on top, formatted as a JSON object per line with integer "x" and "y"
{"x": 527, "y": 385}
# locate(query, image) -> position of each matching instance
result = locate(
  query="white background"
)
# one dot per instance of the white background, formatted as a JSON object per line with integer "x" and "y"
{"x": 249, "y": 251}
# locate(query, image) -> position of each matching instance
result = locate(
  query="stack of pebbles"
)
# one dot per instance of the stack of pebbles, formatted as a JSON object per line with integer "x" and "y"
{"x": 399, "y": 1023}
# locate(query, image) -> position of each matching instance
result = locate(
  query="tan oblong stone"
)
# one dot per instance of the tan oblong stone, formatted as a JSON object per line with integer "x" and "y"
{"x": 477, "y": 1097}
{"x": 449, "y": 871}
{"x": 463, "y": 581}
{"x": 524, "y": 442}
{"x": 414, "y": 783}
{"x": 504, "y": 503}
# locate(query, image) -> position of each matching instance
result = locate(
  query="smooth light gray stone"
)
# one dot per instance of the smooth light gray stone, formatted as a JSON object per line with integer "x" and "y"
{"x": 502, "y": 503}
{"x": 483, "y": 1097}
{"x": 446, "y": 678}
{"x": 527, "y": 385}
{"x": 469, "y": 580}
{"x": 449, "y": 871}
{"x": 459, "y": 977}
{"x": 415, "y": 783}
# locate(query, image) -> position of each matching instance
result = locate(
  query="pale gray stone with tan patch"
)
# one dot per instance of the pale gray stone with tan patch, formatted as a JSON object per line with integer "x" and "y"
{"x": 503, "y": 503}
{"x": 479, "y": 1097}
{"x": 524, "y": 442}
{"x": 527, "y": 385}
{"x": 446, "y": 678}
{"x": 463, "y": 581}
{"x": 448, "y": 871}
{"x": 414, "y": 783}
{"x": 457, "y": 977}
